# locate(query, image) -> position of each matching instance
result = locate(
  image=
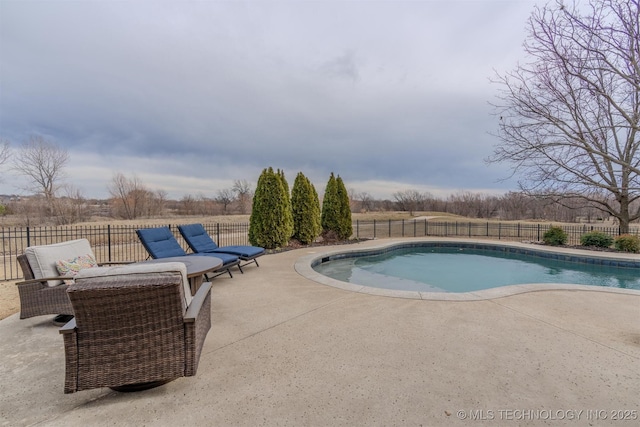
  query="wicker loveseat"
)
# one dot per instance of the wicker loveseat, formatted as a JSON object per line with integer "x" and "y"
{"x": 135, "y": 327}
{"x": 43, "y": 290}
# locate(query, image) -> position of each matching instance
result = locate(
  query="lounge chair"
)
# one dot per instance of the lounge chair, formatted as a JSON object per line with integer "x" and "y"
{"x": 135, "y": 327}
{"x": 200, "y": 242}
{"x": 44, "y": 288}
{"x": 161, "y": 243}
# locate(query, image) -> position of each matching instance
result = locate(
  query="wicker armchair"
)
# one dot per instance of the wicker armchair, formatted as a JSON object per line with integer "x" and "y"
{"x": 135, "y": 327}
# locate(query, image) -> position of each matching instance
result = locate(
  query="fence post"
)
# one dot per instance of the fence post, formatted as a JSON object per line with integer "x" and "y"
{"x": 357, "y": 229}
{"x": 469, "y": 228}
{"x": 538, "y": 232}
{"x": 374, "y": 228}
{"x": 217, "y": 231}
{"x": 499, "y": 230}
{"x": 28, "y": 236}
{"x": 389, "y": 228}
{"x": 426, "y": 224}
{"x": 109, "y": 242}
{"x": 414, "y": 228}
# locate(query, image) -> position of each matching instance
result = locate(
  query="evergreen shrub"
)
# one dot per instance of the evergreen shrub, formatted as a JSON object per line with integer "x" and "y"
{"x": 336, "y": 211}
{"x": 329, "y": 214}
{"x": 288, "y": 215}
{"x": 345, "y": 224}
{"x": 597, "y": 239}
{"x": 555, "y": 236}
{"x": 271, "y": 221}
{"x": 305, "y": 207}
{"x": 627, "y": 243}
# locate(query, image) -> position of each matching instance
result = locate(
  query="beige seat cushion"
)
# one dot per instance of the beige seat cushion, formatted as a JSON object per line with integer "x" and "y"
{"x": 141, "y": 268}
{"x": 42, "y": 259}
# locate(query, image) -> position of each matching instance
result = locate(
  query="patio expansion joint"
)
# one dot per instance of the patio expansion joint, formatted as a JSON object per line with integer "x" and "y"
{"x": 297, "y": 316}
{"x": 569, "y": 331}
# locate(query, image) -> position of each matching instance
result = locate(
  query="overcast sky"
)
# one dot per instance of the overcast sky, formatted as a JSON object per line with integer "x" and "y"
{"x": 192, "y": 95}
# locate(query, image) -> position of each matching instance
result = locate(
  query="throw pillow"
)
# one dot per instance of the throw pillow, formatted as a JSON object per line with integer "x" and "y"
{"x": 71, "y": 267}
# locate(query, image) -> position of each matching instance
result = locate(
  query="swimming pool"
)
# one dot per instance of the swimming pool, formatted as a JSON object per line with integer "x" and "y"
{"x": 459, "y": 268}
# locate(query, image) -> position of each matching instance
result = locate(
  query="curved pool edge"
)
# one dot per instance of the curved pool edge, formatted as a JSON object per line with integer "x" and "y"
{"x": 303, "y": 266}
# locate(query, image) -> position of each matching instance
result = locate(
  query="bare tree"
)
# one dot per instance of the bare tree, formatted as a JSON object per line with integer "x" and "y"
{"x": 188, "y": 205}
{"x": 225, "y": 197}
{"x": 42, "y": 162}
{"x": 130, "y": 198}
{"x": 206, "y": 205}
{"x": 569, "y": 119}
{"x": 243, "y": 193}
{"x": 409, "y": 200}
{"x": 515, "y": 205}
{"x": 156, "y": 202}
{"x": 70, "y": 206}
{"x": 365, "y": 199}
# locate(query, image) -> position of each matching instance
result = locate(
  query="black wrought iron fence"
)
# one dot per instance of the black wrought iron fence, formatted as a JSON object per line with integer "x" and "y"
{"x": 120, "y": 242}
{"x": 109, "y": 242}
{"x": 490, "y": 230}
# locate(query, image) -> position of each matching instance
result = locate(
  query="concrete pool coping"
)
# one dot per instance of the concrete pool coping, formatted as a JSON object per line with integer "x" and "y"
{"x": 304, "y": 266}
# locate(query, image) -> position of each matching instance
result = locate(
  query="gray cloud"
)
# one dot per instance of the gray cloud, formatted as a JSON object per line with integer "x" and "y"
{"x": 209, "y": 92}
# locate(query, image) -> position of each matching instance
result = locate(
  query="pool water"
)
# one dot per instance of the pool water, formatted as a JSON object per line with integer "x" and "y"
{"x": 443, "y": 269}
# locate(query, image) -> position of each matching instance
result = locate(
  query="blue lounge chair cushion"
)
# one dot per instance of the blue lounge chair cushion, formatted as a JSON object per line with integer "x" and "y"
{"x": 161, "y": 243}
{"x": 200, "y": 242}
{"x": 241, "y": 251}
{"x": 226, "y": 258}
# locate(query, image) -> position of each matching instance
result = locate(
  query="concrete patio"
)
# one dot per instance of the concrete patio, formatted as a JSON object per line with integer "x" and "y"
{"x": 288, "y": 351}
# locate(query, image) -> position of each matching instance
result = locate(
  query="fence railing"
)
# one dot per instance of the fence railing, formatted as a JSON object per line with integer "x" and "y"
{"x": 490, "y": 230}
{"x": 109, "y": 242}
{"x": 120, "y": 242}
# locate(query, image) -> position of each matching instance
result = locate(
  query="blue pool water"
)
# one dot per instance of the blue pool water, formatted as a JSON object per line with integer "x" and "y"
{"x": 461, "y": 269}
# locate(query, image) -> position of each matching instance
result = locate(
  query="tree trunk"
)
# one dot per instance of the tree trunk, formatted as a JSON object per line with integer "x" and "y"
{"x": 623, "y": 215}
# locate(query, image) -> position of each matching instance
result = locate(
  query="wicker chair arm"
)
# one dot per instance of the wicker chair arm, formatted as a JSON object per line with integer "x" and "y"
{"x": 69, "y": 327}
{"x": 44, "y": 279}
{"x": 197, "y": 302}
